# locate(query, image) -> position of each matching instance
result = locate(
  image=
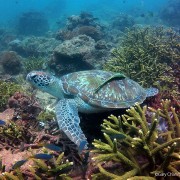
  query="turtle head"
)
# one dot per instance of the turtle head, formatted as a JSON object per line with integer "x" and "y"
{"x": 45, "y": 82}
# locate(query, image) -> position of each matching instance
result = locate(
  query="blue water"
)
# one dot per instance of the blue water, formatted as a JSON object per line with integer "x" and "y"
{"x": 55, "y": 10}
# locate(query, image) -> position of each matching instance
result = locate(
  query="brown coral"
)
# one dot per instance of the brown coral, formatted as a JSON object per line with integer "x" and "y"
{"x": 11, "y": 62}
{"x": 26, "y": 107}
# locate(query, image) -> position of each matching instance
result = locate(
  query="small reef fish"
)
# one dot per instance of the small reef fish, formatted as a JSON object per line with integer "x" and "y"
{"x": 118, "y": 136}
{"x": 42, "y": 156}
{"x": 19, "y": 163}
{"x": 2, "y": 123}
{"x": 38, "y": 156}
{"x": 52, "y": 147}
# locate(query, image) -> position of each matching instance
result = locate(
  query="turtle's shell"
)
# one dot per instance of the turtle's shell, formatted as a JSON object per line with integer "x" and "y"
{"x": 115, "y": 94}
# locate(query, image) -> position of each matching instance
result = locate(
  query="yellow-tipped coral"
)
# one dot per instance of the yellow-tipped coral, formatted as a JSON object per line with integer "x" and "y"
{"x": 145, "y": 141}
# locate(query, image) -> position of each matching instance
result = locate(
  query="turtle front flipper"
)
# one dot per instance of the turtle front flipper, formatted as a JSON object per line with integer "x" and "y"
{"x": 68, "y": 121}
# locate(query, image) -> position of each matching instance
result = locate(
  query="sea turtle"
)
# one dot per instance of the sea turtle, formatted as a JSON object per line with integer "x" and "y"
{"x": 89, "y": 91}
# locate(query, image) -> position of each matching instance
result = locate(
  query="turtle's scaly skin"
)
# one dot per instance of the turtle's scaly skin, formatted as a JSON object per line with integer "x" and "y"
{"x": 88, "y": 92}
{"x": 113, "y": 95}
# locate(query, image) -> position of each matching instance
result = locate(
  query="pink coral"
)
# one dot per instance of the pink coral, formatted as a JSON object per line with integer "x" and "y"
{"x": 26, "y": 107}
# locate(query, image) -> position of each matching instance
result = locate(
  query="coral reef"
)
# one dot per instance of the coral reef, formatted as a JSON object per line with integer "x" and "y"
{"x": 144, "y": 141}
{"x": 64, "y": 34}
{"x": 34, "y": 46}
{"x": 35, "y": 165}
{"x": 71, "y": 53}
{"x": 5, "y": 38}
{"x": 33, "y": 63}
{"x": 170, "y": 13}
{"x": 91, "y": 31}
{"x": 85, "y": 24}
{"x": 84, "y": 19}
{"x": 7, "y": 89}
{"x": 146, "y": 54}
{"x": 11, "y": 62}
{"x": 26, "y": 107}
{"x": 32, "y": 23}
{"x": 122, "y": 21}
{"x": 46, "y": 115}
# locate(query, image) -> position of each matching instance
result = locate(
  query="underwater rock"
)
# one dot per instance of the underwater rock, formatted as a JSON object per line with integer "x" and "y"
{"x": 34, "y": 46}
{"x": 85, "y": 23}
{"x": 84, "y": 19}
{"x": 70, "y": 55}
{"x": 91, "y": 31}
{"x": 32, "y": 23}
{"x": 11, "y": 62}
{"x": 122, "y": 22}
{"x": 170, "y": 14}
{"x": 94, "y": 32}
{"x": 64, "y": 34}
{"x": 5, "y": 38}
{"x": 101, "y": 44}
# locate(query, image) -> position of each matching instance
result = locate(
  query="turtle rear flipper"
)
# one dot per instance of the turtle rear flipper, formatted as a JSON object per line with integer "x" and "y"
{"x": 68, "y": 121}
{"x": 151, "y": 92}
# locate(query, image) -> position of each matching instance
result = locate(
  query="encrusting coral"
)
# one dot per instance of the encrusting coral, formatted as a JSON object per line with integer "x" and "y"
{"x": 145, "y": 141}
{"x": 146, "y": 54}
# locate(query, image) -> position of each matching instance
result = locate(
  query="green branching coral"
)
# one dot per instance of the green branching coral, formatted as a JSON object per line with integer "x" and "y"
{"x": 11, "y": 131}
{"x": 46, "y": 115}
{"x": 33, "y": 63}
{"x": 145, "y": 54}
{"x": 143, "y": 150}
{"x": 7, "y": 89}
{"x": 57, "y": 168}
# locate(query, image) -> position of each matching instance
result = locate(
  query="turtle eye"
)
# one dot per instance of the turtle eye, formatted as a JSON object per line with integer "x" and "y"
{"x": 33, "y": 77}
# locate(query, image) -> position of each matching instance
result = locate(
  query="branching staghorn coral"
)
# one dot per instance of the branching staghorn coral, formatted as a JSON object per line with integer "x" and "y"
{"x": 46, "y": 115}
{"x": 57, "y": 167}
{"x": 144, "y": 140}
{"x": 146, "y": 54}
